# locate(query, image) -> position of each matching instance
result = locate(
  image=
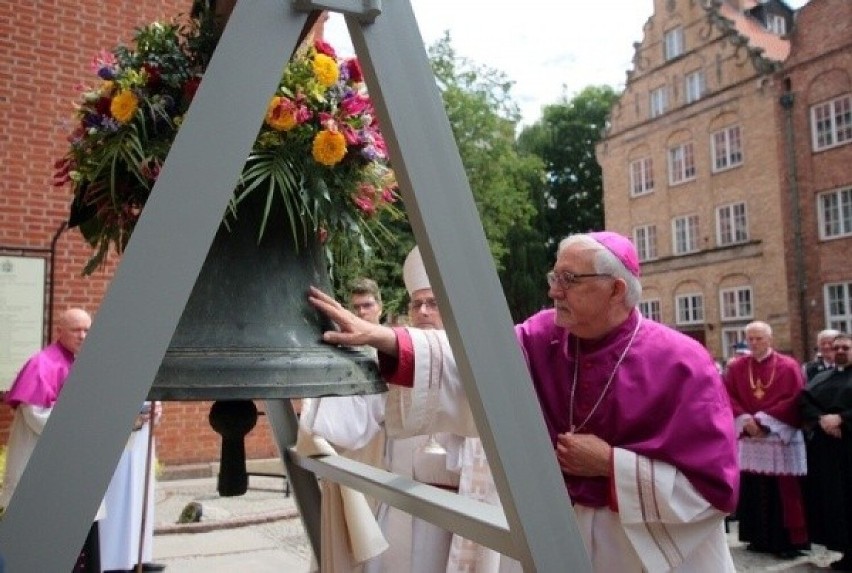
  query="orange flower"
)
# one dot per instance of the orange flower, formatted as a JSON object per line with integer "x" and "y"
{"x": 326, "y": 70}
{"x": 281, "y": 114}
{"x": 124, "y": 106}
{"x": 329, "y": 147}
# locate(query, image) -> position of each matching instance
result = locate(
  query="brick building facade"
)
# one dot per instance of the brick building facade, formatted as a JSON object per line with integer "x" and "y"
{"x": 696, "y": 168}
{"x": 45, "y": 51}
{"x": 815, "y": 110}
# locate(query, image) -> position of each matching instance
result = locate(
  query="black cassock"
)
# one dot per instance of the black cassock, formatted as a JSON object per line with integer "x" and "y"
{"x": 828, "y": 486}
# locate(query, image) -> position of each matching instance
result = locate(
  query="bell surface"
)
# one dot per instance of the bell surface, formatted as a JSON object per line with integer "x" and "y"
{"x": 248, "y": 331}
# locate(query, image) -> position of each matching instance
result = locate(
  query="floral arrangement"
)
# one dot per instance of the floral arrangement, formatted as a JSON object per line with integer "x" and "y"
{"x": 319, "y": 150}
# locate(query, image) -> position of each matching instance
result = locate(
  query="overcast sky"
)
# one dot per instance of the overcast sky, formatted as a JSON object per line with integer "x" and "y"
{"x": 547, "y": 47}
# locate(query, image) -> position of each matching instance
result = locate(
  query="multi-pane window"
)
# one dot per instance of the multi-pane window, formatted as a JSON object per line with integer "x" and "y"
{"x": 776, "y": 24}
{"x": 694, "y": 86}
{"x": 730, "y": 337}
{"x": 681, "y": 163}
{"x": 645, "y": 239}
{"x": 831, "y": 123}
{"x": 659, "y": 101}
{"x": 835, "y": 213}
{"x": 641, "y": 176}
{"x": 727, "y": 148}
{"x": 650, "y": 308}
{"x": 690, "y": 309}
{"x": 735, "y": 303}
{"x": 673, "y": 43}
{"x": 685, "y": 234}
{"x": 731, "y": 224}
{"x": 838, "y": 306}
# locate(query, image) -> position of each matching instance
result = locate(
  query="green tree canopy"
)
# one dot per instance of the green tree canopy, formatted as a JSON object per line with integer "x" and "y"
{"x": 483, "y": 118}
{"x": 565, "y": 139}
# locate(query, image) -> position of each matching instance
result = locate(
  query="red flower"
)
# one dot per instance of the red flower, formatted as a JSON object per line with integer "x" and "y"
{"x": 153, "y": 75}
{"x": 325, "y": 48}
{"x": 190, "y": 87}
{"x": 353, "y": 66}
{"x": 102, "y": 105}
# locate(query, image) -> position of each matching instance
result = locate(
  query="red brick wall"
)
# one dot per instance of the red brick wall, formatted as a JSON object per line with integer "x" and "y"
{"x": 45, "y": 51}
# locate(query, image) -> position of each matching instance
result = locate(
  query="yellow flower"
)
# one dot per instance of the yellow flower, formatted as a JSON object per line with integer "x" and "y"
{"x": 123, "y": 106}
{"x": 281, "y": 114}
{"x": 329, "y": 147}
{"x": 325, "y": 70}
{"x": 106, "y": 87}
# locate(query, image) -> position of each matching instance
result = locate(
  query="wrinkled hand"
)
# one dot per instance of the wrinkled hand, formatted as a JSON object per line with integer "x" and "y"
{"x": 830, "y": 424}
{"x": 753, "y": 429}
{"x": 354, "y": 331}
{"x": 583, "y": 455}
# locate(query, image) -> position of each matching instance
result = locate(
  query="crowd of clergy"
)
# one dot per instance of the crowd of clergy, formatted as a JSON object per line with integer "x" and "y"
{"x": 767, "y": 442}
{"x": 795, "y": 446}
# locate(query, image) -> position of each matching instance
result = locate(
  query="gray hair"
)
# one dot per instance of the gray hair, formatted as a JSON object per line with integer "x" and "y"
{"x": 605, "y": 262}
{"x": 759, "y": 325}
{"x": 828, "y": 333}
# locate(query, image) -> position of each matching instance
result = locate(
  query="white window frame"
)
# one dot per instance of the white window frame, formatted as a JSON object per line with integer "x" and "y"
{"x": 831, "y": 123}
{"x": 681, "y": 163}
{"x": 838, "y": 306}
{"x": 650, "y": 308}
{"x": 834, "y": 213}
{"x": 645, "y": 239}
{"x": 694, "y": 86}
{"x": 731, "y": 224}
{"x": 776, "y": 24}
{"x": 689, "y": 309}
{"x": 731, "y": 335}
{"x": 641, "y": 176}
{"x": 658, "y": 101}
{"x": 727, "y": 148}
{"x": 685, "y": 234}
{"x": 736, "y": 303}
{"x": 674, "y": 43}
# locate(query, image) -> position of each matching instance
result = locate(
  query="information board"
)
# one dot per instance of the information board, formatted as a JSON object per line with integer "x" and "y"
{"x": 21, "y": 313}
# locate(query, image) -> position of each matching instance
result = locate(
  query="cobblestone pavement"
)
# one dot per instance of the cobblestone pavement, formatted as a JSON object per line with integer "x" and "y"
{"x": 261, "y": 532}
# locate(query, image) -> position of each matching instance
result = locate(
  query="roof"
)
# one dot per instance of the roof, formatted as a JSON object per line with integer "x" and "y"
{"x": 773, "y": 47}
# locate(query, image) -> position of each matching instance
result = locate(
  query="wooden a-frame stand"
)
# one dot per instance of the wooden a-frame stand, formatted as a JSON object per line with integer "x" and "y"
{"x": 45, "y": 526}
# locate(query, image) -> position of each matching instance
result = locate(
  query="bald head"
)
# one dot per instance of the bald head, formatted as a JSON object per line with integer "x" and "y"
{"x": 73, "y": 326}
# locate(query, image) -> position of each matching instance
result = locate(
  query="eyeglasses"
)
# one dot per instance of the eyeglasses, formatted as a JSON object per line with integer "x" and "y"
{"x": 427, "y": 304}
{"x": 841, "y": 347}
{"x": 567, "y": 279}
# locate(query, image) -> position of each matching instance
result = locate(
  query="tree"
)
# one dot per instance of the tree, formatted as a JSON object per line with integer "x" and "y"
{"x": 483, "y": 118}
{"x": 565, "y": 139}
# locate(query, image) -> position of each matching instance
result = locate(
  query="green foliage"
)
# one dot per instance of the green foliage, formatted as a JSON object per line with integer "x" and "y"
{"x": 483, "y": 118}
{"x": 565, "y": 139}
{"x": 318, "y": 153}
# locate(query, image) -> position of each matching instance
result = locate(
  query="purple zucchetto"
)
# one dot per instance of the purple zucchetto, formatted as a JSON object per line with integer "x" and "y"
{"x": 621, "y": 247}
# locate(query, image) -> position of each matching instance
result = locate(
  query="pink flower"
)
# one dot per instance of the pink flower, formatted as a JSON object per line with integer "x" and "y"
{"x": 364, "y": 205}
{"x": 150, "y": 169}
{"x": 103, "y": 65}
{"x": 303, "y": 114}
{"x": 351, "y": 135}
{"x": 355, "y": 104}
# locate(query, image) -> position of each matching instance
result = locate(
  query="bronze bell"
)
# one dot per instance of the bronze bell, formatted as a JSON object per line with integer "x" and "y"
{"x": 248, "y": 332}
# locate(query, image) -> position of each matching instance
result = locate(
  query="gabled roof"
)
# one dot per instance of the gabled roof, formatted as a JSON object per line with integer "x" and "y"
{"x": 766, "y": 49}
